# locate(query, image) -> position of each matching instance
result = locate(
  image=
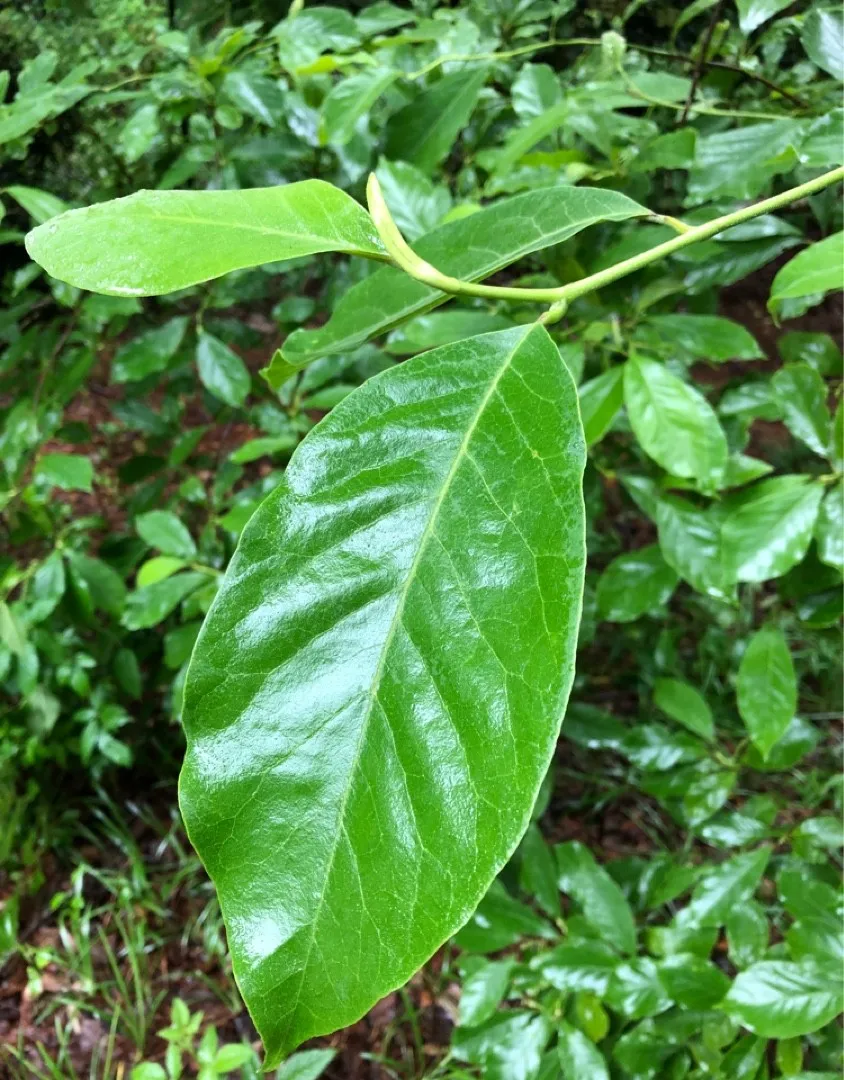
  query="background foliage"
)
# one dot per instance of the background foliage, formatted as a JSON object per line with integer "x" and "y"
{"x": 674, "y": 909}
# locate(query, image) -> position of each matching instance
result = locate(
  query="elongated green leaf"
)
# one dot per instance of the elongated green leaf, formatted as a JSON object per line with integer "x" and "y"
{"x": 685, "y": 705}
{"x": 148, "y": 353}
{"x": 163, "y": 530}
{"x": 378, "y": 687}
{"x": 601, "y": 900}
{"x": 823, "y": 40}
{"x": 40, "y": 205}
{"x": 829, "y": 530}
{"x": 767, "y": 688}
{"x": 600, "y": 400}
{"x": 579, "y": 1057}
{"x": 725, "y": 886}
{"x": 779, "y": 999}
{"x": 155, "y": 242}
{"x": 816, "y": 269}
{"x": 675, "y": 423}
{"x": 801, "y": 394}
{"x": 470, "y": 248}
{"x": 424, "y": 131}
{"x": 690, "y": 540}
{"x": 693, "y": 982}
{"x": 348, "y": 101}
{"x": 221, "y": 371}
{"x": 753, "y": 13}
{"x": 483, "y": 991}
{"x": 768, "y": 528}
{"x": 705, "y": 337}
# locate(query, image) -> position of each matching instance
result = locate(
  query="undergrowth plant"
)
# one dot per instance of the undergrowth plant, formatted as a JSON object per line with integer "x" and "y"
{"x": 378, "y": 674}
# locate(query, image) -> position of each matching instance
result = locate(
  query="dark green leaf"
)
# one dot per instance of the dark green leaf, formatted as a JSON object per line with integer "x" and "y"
{"x": 599, "y": 897}
{"x": 801, "y": 394}
{"x": 221, "y": 371}
{"x": 829, "y": 530}
{"x": 416, "y": 203}
{"x": 424, "y": 131}
{"x": 692, "y": 982}
{"x": 705, "y": 337}
{"x": 748, "y": 934}
{"x": 163, "y": 530}
{"x": 753, "y": 13}
{"x": 674, "y": 423}
{"x": 148, "y": 353}
{"x": 483, "y": 991}
{"x": 725, "y": 886}
{"x": 685, "y": 705}
{"x": 636, "y": 991}
{"x": 600, "y": 400}
{"x": 151, "y": 605}
{"x": 635, "y": 584}
{"x": 500, "y": 920}
{"x": 508, "y": 1047}
{"x": 767, "y": 688}
{"x": 584, "y": 965}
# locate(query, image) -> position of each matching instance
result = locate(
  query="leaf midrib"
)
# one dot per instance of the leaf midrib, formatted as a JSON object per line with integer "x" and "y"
{"x": 395, "y": 622}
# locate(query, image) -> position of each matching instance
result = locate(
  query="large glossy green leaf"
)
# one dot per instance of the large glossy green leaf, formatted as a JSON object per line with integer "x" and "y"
{"x": 470, "y": 248}
{"x": 816, "y": 269}
{"x": 155, "y": 242}
{"x": 823, "y": 40}
{"x": 726, "y": 885}
{"x": 767, "y": 529}
{"x": 674, "y": 423}
{"x": 767, "y": 688}
{"x": 753, "y": 13}
{"x": 600, "y": 898}
{"x": 377, "y": 690}
{"x": 424, "y": 131}
{"x": 801, "y": 394}
{"x": 780, "y": 999}
{"x": 691, "y": 542}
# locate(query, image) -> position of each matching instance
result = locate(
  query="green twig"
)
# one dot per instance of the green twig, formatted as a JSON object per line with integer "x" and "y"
{"x": 406, "y": 259}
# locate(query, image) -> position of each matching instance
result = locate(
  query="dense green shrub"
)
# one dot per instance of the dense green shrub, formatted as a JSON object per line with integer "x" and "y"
{"x": 385, "y": 664}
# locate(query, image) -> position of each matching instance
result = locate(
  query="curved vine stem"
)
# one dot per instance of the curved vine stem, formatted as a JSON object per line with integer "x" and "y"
{"x": 407, "y": 260}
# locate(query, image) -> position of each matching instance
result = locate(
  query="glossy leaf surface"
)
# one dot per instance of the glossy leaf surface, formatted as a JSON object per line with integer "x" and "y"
{"x": 801, "y": 394}
{"x": 816, "y": 269}
{"x": 779, "y": 999}
{"x": 674, "y": 422}
{"x": 767, "y": 688}
{"x": 155, "y": 242}
{"x": 376, "y": 692}
{"x": 470, "y": 248}
{"x": 767, "y": 529}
